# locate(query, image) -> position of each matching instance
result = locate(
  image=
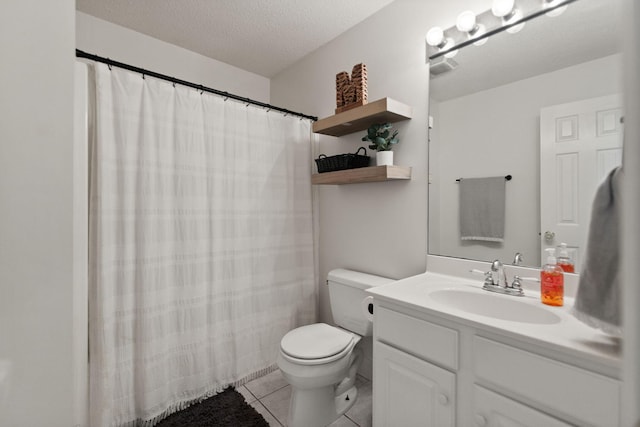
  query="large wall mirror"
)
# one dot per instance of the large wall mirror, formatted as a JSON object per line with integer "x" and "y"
{"x": 542, "y": 105}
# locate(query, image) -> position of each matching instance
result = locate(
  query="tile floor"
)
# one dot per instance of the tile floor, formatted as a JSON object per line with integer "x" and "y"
{"x": 270, "y": 395}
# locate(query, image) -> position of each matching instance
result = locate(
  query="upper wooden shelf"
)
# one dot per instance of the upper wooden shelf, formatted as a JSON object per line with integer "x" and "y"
{"x": 385, "y": 110}
{"x": 358, "y": 175}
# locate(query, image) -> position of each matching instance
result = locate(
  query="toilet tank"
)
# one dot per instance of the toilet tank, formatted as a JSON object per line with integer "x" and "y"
{"x": 346, "y": 292}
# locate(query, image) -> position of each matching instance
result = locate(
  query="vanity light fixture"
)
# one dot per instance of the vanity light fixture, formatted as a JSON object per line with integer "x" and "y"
{"x": 466, "y": 23}
{"x": 442, "y": 45}
{"x": 506, "y": 10}
{"x": 546, "y": 4}
{"x": 435, "y": 37}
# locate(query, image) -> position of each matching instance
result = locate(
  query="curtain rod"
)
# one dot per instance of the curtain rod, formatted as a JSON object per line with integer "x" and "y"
{"x": 110, "y": 62}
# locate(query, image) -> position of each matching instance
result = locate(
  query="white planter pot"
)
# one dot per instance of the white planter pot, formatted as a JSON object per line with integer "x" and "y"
{"x": 384, "y": 158}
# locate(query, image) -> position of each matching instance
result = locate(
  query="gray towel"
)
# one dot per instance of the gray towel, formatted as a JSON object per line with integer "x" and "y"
{"x": 482, "y": 202}
{"x": 598, "y": 299}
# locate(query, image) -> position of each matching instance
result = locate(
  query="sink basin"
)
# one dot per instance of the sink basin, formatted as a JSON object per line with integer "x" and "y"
{"x": 492, "y": 305}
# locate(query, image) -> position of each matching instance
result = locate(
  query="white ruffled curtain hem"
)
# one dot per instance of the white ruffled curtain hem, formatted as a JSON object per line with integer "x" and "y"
{"x": 179, "y": 406}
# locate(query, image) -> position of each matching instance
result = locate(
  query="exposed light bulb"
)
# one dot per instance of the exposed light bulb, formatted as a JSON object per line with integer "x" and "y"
{"x": 466, "y": 21}
{"x": 547, "y": 4}
{"x": 435, "y": 37}
{"x": 501, "y": 8}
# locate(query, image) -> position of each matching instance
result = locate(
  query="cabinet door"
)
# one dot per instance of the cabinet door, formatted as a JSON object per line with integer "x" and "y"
{"x": 494, "y": 410}
{"x": 408, "y": 391}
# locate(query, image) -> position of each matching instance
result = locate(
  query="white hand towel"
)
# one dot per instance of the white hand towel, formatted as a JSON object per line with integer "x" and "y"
{"x": 598, "y": 298}
{"x": 482, "y": 206}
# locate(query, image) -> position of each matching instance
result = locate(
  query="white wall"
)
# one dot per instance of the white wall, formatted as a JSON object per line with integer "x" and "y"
{"x": 81, "y": 244}
{"x": 36, "y": 211}
{"x": 379, "y": 228}
{"x": 121, "y": 44}
{"x": 507, "y": 119}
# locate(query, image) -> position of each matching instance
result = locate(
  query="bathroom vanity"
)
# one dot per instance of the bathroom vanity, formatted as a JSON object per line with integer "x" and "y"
{"x": 447, "y": 353}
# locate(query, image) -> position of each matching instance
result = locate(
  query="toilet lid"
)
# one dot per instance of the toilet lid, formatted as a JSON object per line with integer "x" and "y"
{"x": 315, "y": 341}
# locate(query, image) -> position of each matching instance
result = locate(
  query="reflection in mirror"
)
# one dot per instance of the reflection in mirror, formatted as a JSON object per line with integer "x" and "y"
{"x": 525, "y": 105}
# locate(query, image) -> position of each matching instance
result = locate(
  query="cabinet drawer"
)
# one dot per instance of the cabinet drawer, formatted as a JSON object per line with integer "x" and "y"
{"x": 587, "y": 397}
{"x": 493, "y": 410}
{"x": 421, "y": 338}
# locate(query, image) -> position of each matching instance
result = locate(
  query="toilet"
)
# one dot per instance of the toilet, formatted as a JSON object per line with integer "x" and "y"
{"x": 320, "y": 361}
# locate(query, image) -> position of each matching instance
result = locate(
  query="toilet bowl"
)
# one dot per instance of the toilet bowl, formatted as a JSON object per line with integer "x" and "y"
{"x": 321, "y": 361}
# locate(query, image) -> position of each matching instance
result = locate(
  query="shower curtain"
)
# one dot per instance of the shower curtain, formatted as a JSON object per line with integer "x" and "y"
{"x": 201, "y": 244}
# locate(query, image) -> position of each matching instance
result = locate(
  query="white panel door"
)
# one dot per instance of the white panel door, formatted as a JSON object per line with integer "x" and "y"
{"x": 408, "y": 391}
{"x": 494, "y": 410}
{"x": 580, "y": 142}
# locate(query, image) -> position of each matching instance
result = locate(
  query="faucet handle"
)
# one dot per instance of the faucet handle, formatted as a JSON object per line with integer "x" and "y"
{"x": 517, "y": 282}
{"x": 516, "y": 287}
{"x": 488, "y": 276}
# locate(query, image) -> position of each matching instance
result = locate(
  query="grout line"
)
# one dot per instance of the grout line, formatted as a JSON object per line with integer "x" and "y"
{"x": 272, "y": 414}
{"x": 271, "y": 392}
{"x": 254, "y": 396}
{"x": 352, "y": 420}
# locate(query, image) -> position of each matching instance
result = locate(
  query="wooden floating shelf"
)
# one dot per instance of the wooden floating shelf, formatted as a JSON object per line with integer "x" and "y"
{"x": 385, "y": 110}
{"x": 359, "y": 175}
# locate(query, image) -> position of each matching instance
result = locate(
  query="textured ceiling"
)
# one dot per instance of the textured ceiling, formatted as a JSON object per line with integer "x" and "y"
{"x": 261, "y": 36}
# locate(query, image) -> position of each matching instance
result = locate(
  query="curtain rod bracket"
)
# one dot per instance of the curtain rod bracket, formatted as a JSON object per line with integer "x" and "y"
{"x": 507, "y": 178}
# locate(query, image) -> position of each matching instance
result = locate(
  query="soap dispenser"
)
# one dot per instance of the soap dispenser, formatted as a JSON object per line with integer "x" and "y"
{"x": 552, "y": 281}
{"x": 563, "y": 259}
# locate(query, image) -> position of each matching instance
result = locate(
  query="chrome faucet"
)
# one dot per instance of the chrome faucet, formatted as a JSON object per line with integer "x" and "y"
{"x": 498, "y": 276}
{"x": 495, "y": 280}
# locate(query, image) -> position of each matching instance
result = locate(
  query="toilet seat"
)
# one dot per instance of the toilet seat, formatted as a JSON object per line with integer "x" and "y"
{"x": 316, "y": 344}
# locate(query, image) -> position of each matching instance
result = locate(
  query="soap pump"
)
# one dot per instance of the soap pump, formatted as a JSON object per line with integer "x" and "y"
{"x": 563, "y": 259}
{"x": 552, "y": 281}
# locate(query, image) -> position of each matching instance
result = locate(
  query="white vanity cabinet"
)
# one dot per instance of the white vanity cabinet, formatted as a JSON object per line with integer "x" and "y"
{"x": 436, "y": 371}
{"x": 578, "y": 395}
{"x": 409, "y": 388}
{"x": 410, "y": 391}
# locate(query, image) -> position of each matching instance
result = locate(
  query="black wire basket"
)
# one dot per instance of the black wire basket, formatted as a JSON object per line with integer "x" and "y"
{"x": 342, "y": 161}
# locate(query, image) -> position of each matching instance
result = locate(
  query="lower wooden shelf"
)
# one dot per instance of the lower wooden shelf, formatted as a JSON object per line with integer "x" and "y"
{"x": 359, "y": 175}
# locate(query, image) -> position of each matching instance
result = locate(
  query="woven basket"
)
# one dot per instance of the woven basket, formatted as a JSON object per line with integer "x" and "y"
{"x": 359, "y": 161}
{"x": 342, "y": 161}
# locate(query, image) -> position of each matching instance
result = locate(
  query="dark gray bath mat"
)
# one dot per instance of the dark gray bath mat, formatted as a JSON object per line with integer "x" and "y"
{"x": 226, "y": 409}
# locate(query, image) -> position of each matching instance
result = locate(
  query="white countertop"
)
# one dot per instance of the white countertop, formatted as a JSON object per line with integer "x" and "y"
{"x": 569, "y": 336}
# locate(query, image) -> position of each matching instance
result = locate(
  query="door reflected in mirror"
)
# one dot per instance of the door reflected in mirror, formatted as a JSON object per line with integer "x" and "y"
{"x": 543, "y": 106}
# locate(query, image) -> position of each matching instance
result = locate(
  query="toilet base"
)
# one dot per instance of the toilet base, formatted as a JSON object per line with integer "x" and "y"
{"x": 319, "y": 407}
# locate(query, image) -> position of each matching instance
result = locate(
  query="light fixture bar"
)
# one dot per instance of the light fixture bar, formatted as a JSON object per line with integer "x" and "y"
{"x": 497, "y": 29}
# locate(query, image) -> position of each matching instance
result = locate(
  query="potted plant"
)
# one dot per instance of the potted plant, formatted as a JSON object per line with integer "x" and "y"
{"x": 382, "y": 140}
